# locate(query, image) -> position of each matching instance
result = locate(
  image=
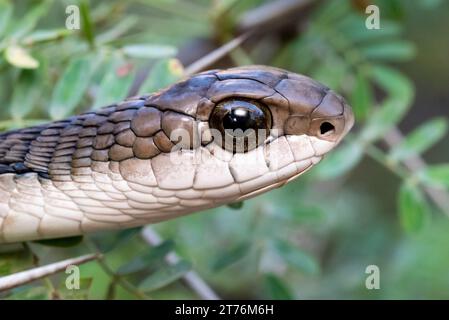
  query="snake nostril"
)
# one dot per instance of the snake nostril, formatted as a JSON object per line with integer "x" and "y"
{"x": 326, "y": 128}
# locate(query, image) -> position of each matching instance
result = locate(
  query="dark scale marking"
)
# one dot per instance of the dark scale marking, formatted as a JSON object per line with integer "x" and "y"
{"x": 19, "y": 168}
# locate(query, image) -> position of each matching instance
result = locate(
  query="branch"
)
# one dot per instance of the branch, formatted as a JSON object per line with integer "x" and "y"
{"x": 24, "y": 277}
{"x": 212, "y": 57}
{"x": 191, "y": 278}
{"x": 271, "y": 12}
{"x": 416, "y": 163}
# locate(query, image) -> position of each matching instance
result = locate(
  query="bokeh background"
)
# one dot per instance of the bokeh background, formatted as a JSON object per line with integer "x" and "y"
{"x": 380, "y": 199}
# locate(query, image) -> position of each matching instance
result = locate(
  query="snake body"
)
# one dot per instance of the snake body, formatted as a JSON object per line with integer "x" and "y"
{"x": 123, "y": 165}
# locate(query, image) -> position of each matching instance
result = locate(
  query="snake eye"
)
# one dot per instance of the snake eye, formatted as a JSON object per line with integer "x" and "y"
{"x": 242, "y": 124}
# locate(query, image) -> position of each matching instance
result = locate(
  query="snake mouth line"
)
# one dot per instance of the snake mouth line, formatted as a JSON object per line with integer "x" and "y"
{"x": 312, "y": 161}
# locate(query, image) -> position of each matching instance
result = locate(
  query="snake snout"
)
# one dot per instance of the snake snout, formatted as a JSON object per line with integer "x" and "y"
{"x": 332, "y": 119}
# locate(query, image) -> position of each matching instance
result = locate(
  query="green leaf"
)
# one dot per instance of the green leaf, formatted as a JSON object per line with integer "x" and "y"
{"x": 305, "y": 214}
{"x": 393, "y": 9}
{"x": 430, "y": 4}
{"x": 7, "y": 248}
{"x": 361, "y": 98}
{"x": 230, "y": 256}
{"x": 397, "y": 86}
{"x": 5, "y": 15}
{"x": 331, "y": 71}
{"x": 296, "y": 257}
{"x": 20, "y": 58}
{"x": 115, "y": 84}
{"x": 76, "y": 294}
{"x": 11, "y": 262}
{"x": 87, "y": 26}
{"x": 399, "y": 98}
{"x": 30, "y": 293}
{"x": 389, "y": 51}
{"x": 70, "y": 88}
{"x": 413, "y": 207}
{"x": 183, "y": 10}
{"x": 9, "y": 125}
{"x": 108, "y": 241}
{"x": 40, "y": 36}
{"x": 145, "y": 260}
{"x": 277, "y": 288}
{"x": 353, "y": 32}
{"x": 421, "y": 139}
{"x": 236, "y": 205}
{"x": 61, "y": 242}
{"x": 164, "y": 276}
{"x": 149, "y": 51}
{"x": 340, "y": 161}
{"x": 25, "y": 24}
{"x": 332, "y": 12}
{"x": 27, "y": 91}
{"x": 436, "y": 175}
{"x": 163, "y": 73}
{"x": 117, "y": 29}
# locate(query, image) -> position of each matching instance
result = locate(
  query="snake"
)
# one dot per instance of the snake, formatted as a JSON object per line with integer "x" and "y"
{"x": 189, "y": 147}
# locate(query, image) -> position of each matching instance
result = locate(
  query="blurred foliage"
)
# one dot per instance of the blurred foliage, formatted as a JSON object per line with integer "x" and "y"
{"x": 311, "y": 239}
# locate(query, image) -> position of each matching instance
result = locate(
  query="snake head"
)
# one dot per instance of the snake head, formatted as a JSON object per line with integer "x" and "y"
{"x": 254, "y": 128}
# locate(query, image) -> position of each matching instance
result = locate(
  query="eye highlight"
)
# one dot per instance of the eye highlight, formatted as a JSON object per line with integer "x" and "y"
{"x": 242, "y": 124}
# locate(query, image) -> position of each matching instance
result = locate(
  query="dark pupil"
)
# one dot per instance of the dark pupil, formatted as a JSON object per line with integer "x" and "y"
{"x": 244, "y": 117}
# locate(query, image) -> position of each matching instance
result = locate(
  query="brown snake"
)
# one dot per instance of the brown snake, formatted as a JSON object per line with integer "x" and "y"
{"x": 158, "y": 156}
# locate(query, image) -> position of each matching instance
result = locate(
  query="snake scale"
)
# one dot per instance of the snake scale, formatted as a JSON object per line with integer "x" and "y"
{"x": 129, "y": 164}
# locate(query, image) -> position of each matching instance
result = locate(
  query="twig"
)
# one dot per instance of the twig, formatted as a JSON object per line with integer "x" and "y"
{"x": 415, "y": 163}
{"x": 115, "y": 278}
{"x": 24, "y": 277}
{"x": 379, "y": 156}
{"x": 191, "y": 278}
{"x": 125, "y": 284}
{"x": 215, "y": 55}
{"x": 274, "y": 11}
